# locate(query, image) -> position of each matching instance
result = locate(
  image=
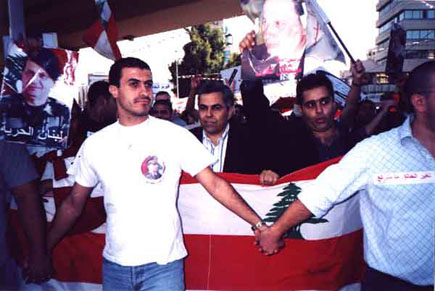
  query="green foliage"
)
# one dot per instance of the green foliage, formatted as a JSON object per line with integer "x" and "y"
{"x": 234, "y": 60}
{"x": 204, "y": 54}
{"x": 289, "y": 195}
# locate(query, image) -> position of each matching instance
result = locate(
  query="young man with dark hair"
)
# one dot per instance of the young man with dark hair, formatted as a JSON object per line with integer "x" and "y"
{"x": 119, "y": 156}
{"x": 225, "y": 138}
{"x": 394, "y": 173}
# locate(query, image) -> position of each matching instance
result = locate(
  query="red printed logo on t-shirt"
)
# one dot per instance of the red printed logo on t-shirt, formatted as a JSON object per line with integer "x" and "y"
{"x": 153, "y": 169}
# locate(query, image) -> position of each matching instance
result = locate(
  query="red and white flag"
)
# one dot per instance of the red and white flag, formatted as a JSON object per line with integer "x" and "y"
{"x": 321, "y": 254}
{"x": 320, "y": 42}
{"x": 103, "y": 33}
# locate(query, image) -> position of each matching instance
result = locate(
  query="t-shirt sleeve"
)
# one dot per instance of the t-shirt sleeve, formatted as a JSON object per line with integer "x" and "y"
{"x": 17, "y": 168}
{"x": 82, "y": 168}
{"x": 194, "y": 156}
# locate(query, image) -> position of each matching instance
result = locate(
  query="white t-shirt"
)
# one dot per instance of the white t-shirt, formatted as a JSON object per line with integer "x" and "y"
{"x": 139, "y": 168}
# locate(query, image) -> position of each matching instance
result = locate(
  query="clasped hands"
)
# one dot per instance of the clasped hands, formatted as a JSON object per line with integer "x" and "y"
{"x": 268, "y": 240}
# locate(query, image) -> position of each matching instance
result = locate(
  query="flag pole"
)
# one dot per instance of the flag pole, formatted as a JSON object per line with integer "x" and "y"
{"x": 341, "y": 42}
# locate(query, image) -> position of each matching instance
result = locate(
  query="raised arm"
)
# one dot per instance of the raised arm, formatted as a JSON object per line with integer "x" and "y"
{"x": 358, "y": 78}
{"x": 67, "y": 214}
{"x": 190, "y": 104}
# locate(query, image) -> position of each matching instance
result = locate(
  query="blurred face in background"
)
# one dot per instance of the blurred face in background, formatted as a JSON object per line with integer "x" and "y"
{"x": 161, "y": 111}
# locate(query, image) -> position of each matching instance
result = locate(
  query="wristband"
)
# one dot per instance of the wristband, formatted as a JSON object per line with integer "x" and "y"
{"x": 356, "y": 85}
{"x": 258, "y": 225}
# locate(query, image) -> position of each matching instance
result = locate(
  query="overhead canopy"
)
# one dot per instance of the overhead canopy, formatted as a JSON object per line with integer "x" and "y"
{"x": 69, "y": 19}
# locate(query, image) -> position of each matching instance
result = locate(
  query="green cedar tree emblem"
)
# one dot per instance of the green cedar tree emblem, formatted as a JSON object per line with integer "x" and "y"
{"x": 289, "y": 195}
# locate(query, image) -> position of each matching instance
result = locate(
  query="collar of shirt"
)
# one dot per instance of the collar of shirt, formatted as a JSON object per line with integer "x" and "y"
{"x": 404, "y": 130}
{"x": 217, "y": 151}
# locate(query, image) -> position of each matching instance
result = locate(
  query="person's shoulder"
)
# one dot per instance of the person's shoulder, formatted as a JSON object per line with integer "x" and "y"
{"x": 158, "y": 124}
{"x": 197, "y": 131}
{"x": 103, "y": 135}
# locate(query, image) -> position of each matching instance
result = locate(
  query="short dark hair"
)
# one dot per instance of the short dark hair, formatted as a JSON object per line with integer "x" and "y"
{"x": 97, "y": 89}
{"x": 312, "y": 81}
{"x": 162, "y": 93}
{"x": 217, "y": 87}
{"x": 47, "y": 60}
{"x": 164, "y": 102}
{"x": 116, "y": 68}
{"x": 420, "y": 81}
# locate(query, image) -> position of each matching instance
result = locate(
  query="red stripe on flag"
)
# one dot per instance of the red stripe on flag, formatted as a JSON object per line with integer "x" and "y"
{"x": 112, "y": 34}
{"x": 93, "y": 33}
{"x": 235, "y": 264}
{"x": 219, "y": 262}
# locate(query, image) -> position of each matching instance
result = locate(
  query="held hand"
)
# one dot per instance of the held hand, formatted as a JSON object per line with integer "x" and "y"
{"x": 268, "y": 177}
{"x": 269, "y": 240}
{"x": 248, "y": 42}
{"x": 358, "y": 73}
{"x": 37, "y": 269}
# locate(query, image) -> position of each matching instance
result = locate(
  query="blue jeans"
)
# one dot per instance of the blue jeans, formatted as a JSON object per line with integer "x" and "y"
{"x": 149, "y": 277}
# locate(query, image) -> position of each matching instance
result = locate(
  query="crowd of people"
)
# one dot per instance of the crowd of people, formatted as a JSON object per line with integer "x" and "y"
{"x": 132, "y": 146}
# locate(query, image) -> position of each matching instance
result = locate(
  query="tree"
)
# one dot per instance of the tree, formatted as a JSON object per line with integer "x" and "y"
{"x": 289, "y": 195}
{"x": 234, "y": 60}
{"x": 204, "y": 54}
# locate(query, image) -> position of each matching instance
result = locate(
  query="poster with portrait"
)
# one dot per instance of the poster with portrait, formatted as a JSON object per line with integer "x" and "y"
{"x": 396, "y": 50}
{"x": 280, "y": 43}
{"x": 36, "y": 96}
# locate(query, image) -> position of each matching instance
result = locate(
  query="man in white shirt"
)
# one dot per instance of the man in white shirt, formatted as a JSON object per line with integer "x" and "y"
{"x": 395, "y": 173}
{"x": 144, "y": 248}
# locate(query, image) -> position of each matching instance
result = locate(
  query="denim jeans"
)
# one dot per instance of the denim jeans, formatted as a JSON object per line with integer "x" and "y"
{"x": 149, "y": 277}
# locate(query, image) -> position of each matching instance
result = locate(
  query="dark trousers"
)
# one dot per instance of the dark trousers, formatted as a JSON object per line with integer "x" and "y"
{"x": 378, "y": 281}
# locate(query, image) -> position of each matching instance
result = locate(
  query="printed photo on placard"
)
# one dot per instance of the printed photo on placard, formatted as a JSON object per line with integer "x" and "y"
{"x": 37, "y": 95}
{"x": 280, "y": 43}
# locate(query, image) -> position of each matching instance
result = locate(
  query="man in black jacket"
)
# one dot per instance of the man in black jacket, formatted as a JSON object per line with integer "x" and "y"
{"x": 224, "y": 137}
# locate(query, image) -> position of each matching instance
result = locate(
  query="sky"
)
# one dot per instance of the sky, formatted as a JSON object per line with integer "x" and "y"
{"x": 354, "y": 21}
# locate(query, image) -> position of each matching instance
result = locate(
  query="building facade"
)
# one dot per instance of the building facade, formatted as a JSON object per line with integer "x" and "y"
{"x": 417, "y": 19}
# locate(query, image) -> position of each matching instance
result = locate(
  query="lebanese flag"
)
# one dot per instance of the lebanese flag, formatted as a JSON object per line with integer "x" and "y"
{"x": 103, "y": 33}
{"x": 322, "y": 254}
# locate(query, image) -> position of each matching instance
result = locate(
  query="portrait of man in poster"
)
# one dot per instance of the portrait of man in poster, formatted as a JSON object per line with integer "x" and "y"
{"x": 27, "y": 113}
{"x": 280, "y": 42}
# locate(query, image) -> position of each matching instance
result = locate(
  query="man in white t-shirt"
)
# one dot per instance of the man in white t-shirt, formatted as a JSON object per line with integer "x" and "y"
{"x": 144, "y": 247}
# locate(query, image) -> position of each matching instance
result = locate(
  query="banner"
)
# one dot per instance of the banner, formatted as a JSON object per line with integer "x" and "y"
{"x": 280, "y": 43}
{"x": 321, "y": 254}
{"x": 36, "y": 96}
{"x": 396, "y": 50}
